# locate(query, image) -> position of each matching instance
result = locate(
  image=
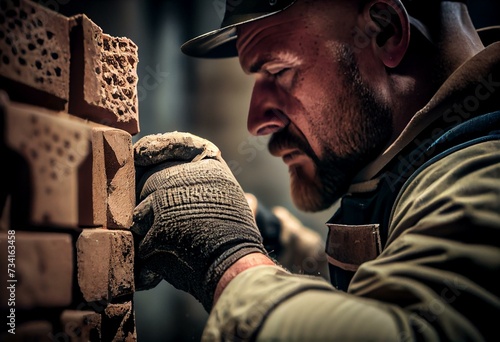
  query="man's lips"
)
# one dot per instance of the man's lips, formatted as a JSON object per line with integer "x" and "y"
{"x": 291, "y": 156}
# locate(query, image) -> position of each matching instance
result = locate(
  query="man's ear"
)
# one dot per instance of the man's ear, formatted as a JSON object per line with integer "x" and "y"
{"x": 391, "y": 30}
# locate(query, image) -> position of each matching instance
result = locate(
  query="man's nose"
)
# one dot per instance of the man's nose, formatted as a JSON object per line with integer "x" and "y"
{"x": 266, "y": 114}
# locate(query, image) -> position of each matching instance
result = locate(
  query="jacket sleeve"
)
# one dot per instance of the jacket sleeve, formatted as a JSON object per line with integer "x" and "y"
{"x": 436, "y": 279}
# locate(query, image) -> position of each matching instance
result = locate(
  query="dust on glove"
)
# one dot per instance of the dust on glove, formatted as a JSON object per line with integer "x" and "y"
{"x": 192, "y": 219}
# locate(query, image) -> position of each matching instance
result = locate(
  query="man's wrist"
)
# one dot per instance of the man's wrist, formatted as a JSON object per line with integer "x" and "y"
{"x": 242, "y": 264}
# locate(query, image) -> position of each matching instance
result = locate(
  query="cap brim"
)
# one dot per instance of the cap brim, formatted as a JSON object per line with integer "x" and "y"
{"x": 221, "y": 43}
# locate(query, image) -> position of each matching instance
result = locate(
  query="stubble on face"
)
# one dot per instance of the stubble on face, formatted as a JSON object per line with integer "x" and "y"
{"x": 355, "y": 127}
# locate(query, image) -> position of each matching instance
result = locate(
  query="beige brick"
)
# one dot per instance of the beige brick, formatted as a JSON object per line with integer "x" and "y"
{"x": 40, "y": 331}
{"x": 80, "y": 326}
{"x": 118, "y": 323}
{"x": 103, "y": 76}
{"x": 113, "y": 148}
{"x": 43, "y": 270}
{"x": 34, "y": 54}
{"x": 105, "y": 264}
{"x": 52, "y": 183}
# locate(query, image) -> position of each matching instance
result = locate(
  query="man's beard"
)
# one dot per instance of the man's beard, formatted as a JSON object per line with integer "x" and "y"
{"x": 368, "y": 127}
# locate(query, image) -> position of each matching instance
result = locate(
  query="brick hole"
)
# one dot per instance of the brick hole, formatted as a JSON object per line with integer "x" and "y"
{"x": 98, "y": 71}
{"x": 48, "y": 147}
{"x": 60, "y": 151}
{"x": 23, "y": 51}
{"x": 48, "y": 73}
{"x": 23, "y": 15}
{"x": 54, "y": 55}
{"x": 31, "y": 46}
{"x": 34, "y": 154}
{"x": 39, "y": 23}
{"x": 40, "y": 41}
{"x": 2, "y": 34}
{"x": 58, "y": 71}
{"x": 67, "y": 144}
{"x": 18, "y": 23}
{"x": 28, "y": 36}
{"x": 71, "y": 158}
{"x": 21, "y": 61}
{"x": 53, "y": 175}
{"x": 11, "y": 25}
{"x": 131, "y": 79}
{"x": 44, "y": 52}
{"x": 56, "y": 138}
{"x": 49, "y": 34}
{"x": 8, "y": 41}
{"x": 39, "y": 80}
{"x": 46, "y": 218}
{"x": 14, "y": 50}
{"x": 5, "y": 59}
{"x": 131, "y": 61}
{"x": 11, "y": 13}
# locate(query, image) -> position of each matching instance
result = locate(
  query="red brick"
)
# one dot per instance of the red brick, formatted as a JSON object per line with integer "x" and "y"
{"x": 80, "y": 326}
{"x": 51, "y": 167}
{"x": 113, "y": 149}
{"x": 40, "y": 331}
{"x": 118, "y": 323}
{"x": 43, "y": 270}
{"x": 34, "y": 54}
{"x": 105, "y": 264}
{"x": 103, "y": 76}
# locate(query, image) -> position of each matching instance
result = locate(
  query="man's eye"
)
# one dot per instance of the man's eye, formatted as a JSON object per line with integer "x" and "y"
{"x": 278, "y": 72}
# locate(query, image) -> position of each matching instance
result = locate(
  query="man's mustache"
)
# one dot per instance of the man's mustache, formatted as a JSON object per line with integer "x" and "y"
{"x": 285, "y": 139}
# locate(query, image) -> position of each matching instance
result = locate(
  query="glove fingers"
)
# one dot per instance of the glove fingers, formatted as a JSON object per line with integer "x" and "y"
{"x": 143, "y": 216}
{"x": 173, "y": 146}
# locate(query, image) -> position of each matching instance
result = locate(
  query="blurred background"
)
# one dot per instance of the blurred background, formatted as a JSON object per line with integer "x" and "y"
{"x": 208, "y": 98}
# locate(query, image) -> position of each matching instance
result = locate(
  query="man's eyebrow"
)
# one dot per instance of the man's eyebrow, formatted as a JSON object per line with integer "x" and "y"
{"x": 257, "y": 66}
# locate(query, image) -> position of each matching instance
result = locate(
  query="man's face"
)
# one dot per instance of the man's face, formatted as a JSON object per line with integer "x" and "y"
{"x": 326, "y": 122}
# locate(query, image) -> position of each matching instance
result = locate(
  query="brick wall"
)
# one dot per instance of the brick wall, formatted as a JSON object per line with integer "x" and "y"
{"x": 68, "y": 111}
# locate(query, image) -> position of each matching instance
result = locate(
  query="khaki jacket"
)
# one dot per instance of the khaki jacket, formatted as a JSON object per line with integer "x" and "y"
{"x": 436, "y": 278}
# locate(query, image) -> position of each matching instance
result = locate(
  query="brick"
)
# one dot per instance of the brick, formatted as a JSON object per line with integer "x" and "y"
{"x": 113, "y": 148}
{"x": 34, "y": 54}
{"x": 118, "y": 323}
{"x": 43, "y": 270}
{"x": 40, "y": 331}
{"x": 50, "y": 159}
{"x": 103, "y": 76}
{"x": 105, "y": 264}
{"x": 79, "y": 326}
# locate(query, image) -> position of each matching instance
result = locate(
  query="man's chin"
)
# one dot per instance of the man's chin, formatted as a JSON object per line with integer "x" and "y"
{"x": 310, "y": 196}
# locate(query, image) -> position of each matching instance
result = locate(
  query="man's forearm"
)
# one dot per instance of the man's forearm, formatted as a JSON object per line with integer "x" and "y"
{"x": 242, "y": 264}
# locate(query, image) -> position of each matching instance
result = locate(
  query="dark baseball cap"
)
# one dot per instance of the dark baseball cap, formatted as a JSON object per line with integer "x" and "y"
{"x": 221, "y": 43}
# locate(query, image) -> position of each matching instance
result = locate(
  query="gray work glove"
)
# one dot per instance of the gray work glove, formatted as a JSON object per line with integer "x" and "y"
{"x": 193, "y": 220}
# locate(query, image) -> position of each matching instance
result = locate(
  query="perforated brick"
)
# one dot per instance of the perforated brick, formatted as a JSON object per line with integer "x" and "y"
{"x": 50, "y": 167}
{"x": 34, "y": 54}
{"x": 103, "y": 76}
